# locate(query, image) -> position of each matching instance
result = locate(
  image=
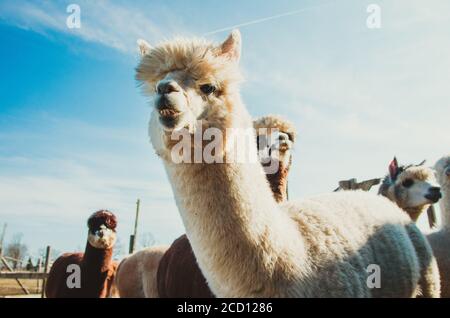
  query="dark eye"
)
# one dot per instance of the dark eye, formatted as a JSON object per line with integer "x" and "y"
{"x": 408, "y": 183}
{"x": 207, "y": 89}
{"x": 291, "y": 136}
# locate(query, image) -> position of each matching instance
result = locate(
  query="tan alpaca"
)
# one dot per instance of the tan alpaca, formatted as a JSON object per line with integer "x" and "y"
{"x": 413, "y": 188}
{"x": 245, "y": 243}
{"x": 440, "y": 241}
{"x": 137, "y": 273}
{"x": 279, "y": 151}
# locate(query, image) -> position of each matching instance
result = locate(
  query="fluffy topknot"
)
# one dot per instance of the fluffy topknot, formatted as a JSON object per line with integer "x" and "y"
{"x": 200, "y": 58}
{"x": 102, "y": 217}
{"x": 278, "y": 122}
{"x": 420, "y": 173}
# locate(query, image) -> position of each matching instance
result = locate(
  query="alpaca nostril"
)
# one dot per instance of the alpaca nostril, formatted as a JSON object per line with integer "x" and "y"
{"x": 435, "y": 189}
{"x": 167, "y": 88}
{"x": 434, "y": 194}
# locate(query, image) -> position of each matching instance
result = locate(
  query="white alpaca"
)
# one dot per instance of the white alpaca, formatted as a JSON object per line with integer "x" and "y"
{"x": 440, "y": 241}
{"x": 136, "y": 276}
{"x": 245, "y": 243}
{"x": 413, "y": 188}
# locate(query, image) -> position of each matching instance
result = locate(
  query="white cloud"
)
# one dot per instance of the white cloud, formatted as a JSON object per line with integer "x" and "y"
{"x": 57, "y": 189}
{"x": 103, "y": 22}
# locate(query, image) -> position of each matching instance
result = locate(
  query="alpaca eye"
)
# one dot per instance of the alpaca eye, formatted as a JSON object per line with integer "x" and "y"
{"x": 291, "y": 136}
{"x": 408, "y": 183}
{"x": 207, "y": 89}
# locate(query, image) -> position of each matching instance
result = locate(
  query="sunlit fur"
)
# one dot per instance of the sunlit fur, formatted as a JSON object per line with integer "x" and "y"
{"x": 179, "y": 275}
{"x": 245, "y": 243}
{"x": 440, "y": 240}
{"x": 442, "y": 168}
{"x": 136, "y": 274}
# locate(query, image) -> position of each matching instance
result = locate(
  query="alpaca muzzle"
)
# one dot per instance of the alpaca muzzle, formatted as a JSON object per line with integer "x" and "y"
{"x": 434, "y": 194}
{"x": 169, "y": 114}
{"x": 102, "y": 238}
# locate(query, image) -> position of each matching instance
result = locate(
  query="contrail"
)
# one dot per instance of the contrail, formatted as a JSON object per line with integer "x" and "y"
{"x": 281, "y": 15}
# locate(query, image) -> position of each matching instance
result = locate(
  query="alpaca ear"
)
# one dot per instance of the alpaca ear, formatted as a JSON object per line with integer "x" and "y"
{"x": 232, "y": 46}
{"x": 393, "y": 168}
{"x": 144, "y": 47}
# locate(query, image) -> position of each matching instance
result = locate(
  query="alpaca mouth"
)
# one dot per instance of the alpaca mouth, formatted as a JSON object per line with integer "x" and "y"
{"x": 435, "y": 197}
{"x": 284, "y": 147}
{"x": 169, "y": 117}
{"x": 168, "y": 113}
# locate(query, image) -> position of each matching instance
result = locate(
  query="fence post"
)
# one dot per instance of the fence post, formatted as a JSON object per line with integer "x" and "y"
{"x": 38, "y": 269}
{"x": 9, "y": 268}
{"x": 2, "y": 238}
{"x": 47, "y": 263}
{"x": 133, "y": 237}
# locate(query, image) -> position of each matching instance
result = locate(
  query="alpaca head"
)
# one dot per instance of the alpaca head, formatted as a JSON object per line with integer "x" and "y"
{"x": 275, "y": 139}
{"x": 442, "y": 168}
{"x": 102, "y": 229}
{"x": 412, "y": 187}
{"x": 190, "y": 81}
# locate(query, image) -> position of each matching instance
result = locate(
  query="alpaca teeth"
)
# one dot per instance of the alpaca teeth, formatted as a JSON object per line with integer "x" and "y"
{"x": 167, "y": 112}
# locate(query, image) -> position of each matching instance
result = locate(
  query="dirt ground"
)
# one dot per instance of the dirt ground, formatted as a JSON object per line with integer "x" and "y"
{"x": 9, "y": 287}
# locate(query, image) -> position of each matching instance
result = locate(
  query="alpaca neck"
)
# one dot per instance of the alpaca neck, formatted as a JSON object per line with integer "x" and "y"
{"x": 416, "y": 212}
{"x": 97, "y": 260}
{"x": 445, "y": 207}
{"x": 278, "y": 183}
{"x": 234, "y": 224}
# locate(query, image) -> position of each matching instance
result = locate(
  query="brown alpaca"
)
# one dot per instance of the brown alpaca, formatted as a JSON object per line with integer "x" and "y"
{"x": 246, "y": 244}
{"x": 96, "y": 266}
{"x": 178, "y": 273}
{"x": 440, "y": 240}
{"x": 413, "y": 188}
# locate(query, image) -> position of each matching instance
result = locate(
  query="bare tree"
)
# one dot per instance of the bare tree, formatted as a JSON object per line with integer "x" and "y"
{"x": 16, "y": 250}
{"x": 42, "y": 252}
{"x": 118, "y": 249}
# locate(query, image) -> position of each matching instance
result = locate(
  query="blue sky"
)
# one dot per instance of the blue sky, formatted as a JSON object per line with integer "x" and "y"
{"x": 73, "y": 122}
